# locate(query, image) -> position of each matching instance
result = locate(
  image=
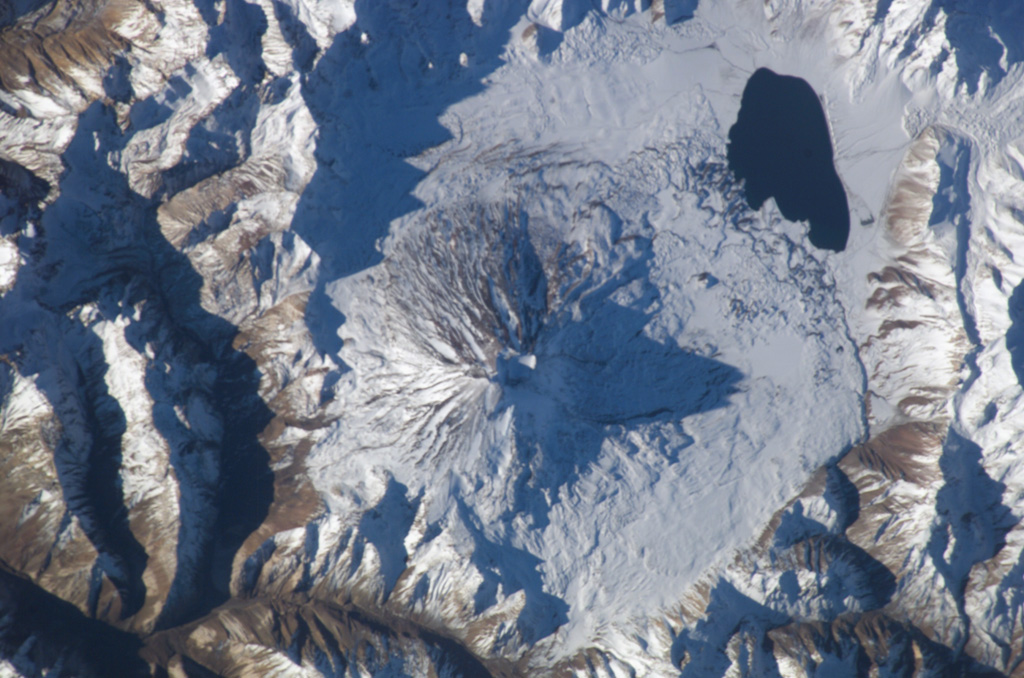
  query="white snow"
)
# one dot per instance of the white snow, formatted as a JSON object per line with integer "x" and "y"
{"x": 582, "y": 376}
{"x": 631, "y": 117}
{"x": 9, "y": 262}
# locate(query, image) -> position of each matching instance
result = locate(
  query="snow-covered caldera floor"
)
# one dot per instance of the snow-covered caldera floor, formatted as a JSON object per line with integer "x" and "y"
{"x": 392, "y": 337}
{"x": 585, "y": 356}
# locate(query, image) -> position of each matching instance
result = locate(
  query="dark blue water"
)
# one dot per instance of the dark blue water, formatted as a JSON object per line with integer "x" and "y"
{"x": 780, "y": 145}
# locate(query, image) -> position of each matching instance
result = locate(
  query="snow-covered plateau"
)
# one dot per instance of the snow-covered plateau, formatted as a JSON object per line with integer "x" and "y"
{"x": 437, "y": 338}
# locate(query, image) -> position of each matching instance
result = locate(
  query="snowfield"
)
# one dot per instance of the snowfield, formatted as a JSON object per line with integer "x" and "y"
{"x": 395, "y": 338}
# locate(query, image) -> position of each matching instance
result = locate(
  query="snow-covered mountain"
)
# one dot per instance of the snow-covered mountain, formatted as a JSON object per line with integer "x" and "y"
{"x": 385, "y": 337}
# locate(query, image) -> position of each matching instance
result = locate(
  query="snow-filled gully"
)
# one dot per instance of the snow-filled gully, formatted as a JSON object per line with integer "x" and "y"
{"x": 402, "y": 341}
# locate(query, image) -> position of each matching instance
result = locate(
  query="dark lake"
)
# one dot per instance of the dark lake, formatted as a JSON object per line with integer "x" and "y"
{"x": 781, "y": 146}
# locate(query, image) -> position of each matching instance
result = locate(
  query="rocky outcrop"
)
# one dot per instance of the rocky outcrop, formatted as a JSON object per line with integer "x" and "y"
{"x": 309, "y": 366}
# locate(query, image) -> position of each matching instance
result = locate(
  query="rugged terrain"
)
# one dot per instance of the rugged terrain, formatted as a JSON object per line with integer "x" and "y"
{"x": 437, "y": 338}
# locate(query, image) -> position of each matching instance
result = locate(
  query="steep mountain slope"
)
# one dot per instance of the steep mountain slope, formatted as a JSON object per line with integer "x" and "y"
{"x": 398, "y": 338}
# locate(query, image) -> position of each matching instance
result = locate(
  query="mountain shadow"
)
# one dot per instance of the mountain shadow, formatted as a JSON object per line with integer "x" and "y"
{"x": 729, "y": 612}
{"x": 511, "y": 569}
{"x": 970, "y": 510}
{"x": 377, "y": 96}
{"x": 105, "y": 248}
{"x": 1015, "y": 335}
{"x": 594, "y": 372}
{"x": 983, "y": 37}
{"x": 40, "y": 634}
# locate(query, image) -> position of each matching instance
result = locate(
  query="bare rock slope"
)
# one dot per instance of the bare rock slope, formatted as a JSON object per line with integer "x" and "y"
{"x": 395, "y": 338}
